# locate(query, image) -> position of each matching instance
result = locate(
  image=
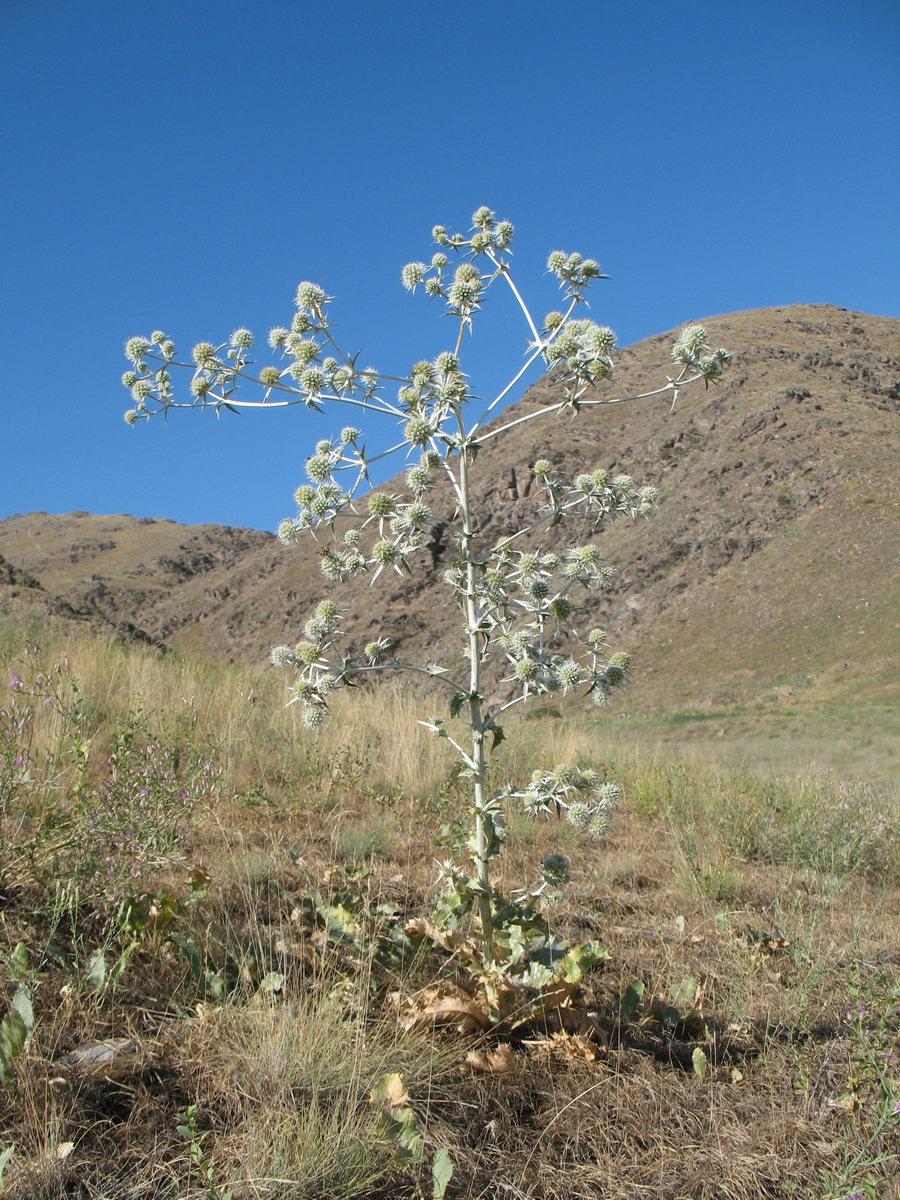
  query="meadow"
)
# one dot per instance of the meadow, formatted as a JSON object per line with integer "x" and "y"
{"x": 212, "y": 928}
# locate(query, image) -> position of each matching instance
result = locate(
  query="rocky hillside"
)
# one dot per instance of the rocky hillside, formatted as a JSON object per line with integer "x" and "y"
{"x": 774, "y": 556}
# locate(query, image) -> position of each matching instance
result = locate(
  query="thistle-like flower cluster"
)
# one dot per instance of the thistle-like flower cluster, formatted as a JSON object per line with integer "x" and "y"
{"x": 580, "y": 795}
{"x": 464, "y": 287}
{"x": 693, "y": 351}
{"x": 317, "y": 677}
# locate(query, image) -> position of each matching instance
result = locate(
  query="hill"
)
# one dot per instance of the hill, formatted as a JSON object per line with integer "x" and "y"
{"x": 773, "y": 560}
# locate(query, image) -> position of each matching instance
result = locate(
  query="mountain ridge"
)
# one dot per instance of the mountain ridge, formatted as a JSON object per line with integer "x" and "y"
{"x": 777, "y": 491}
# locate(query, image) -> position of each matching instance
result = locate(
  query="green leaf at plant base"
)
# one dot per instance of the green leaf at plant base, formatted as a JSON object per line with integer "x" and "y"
{"x": 399, "y": 1126}
{"x": 13, "y": 1036}
{"x": 581, "y": 959}
{"x": 441, "y": 1173}
{"x": 699, "y": 1061}
{"x": 631, "y": 999}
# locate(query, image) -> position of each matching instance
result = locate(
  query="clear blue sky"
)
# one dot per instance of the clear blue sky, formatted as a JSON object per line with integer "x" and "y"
{"x": 183, "y": 164}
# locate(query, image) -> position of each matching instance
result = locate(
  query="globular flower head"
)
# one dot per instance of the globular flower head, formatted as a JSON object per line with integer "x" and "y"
{"x": 526, "y": 670}
{"x": 433, "y": 287}
{"x": 412, "y": 275}
{"x": 446, "y": 363}
{"x": 556, "y": 260}
{"x": 318, "y": 468}
{"x": 615, "y": 676}
{"x": 556, "y": 870}
{"x": 380, "y": 504}
{"x": 303, "y": 349}
{"x": 314, "y": 716}
{"x": 312, "y": 380}
{"x": 588, "y": 554}
{"x": 579, "y": 813}
{"x": 304, "y": 690}
{"x": 418, "y": 514}
{"x": 609, "y": 794}
{"x": 157, "y": 337}
{"x": 316, "y": 630}
{"x": 300, "y": 323}
{"x": 327, "y": 611}
{"x": 418, "y": 479}
{"x": 306, "y": 652}
{"x": 553, "y": 320}
{"x": 129, "y": 378}
{"x": 430, "y": 459}
{"x": 596, "y": 638}
{"x": 281, "y": 656}
{"x": 542, "y": 466}
{"x": 439, "y": 234}
{"x": 200, "y": 385}
{"x": 482, "y": 218}
{"x": 466, "y": 273}
{"x": 538, "y": 588}
{"x": 349, "y": 434}
{"x": 304, "y": 495}
{"x": 287, "y": 531}
{"x": 136, "y": 348}
{"x": 204, "y": 354}
{"x": 130, "y": 416}
{"x": 417, "y": 431}
{"x": 385, "y": 553}
{"x": 142, "y": 389}
{"x": 598, "y": 823}
{"x": 310, "y": 298}
{"x": 693, "y": 338}
{"x": 376, "y": 652}
{"x": 439, "y": 260}
{"x": 421, "y": 372}
{"x": 464, "y": 294}
{"x": 269, "y": 376}
{"x": 560, "y": 608}
{"x": 278, "y": 335}
{"x": 565, "y": 774}
{"x": 503, "y": 234}
{"x": 242, "y": 338}
{"x": 352, "y": 537}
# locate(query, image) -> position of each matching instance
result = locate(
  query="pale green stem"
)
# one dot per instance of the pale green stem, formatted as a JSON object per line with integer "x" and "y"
{"x": 476, "y": 718}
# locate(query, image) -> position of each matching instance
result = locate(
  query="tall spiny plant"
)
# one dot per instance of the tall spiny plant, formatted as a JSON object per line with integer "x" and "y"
{"x": 515, "y": 601}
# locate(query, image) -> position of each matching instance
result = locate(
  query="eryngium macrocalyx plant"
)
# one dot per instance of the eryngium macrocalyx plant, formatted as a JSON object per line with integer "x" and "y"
{"x": 515, "y": 600}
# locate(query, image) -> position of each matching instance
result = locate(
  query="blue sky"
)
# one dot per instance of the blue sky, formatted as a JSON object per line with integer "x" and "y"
{"x": 184, "y": 165}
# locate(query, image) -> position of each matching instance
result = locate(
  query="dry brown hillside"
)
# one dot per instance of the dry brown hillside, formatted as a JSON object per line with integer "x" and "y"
{"x": 774, "y": 556}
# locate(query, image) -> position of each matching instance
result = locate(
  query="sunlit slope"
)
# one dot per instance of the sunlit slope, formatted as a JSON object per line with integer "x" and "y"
{"x": 774, "y": 555}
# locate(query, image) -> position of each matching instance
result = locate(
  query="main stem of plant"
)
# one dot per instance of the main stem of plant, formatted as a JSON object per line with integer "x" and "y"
{"x": 476, "y": 719}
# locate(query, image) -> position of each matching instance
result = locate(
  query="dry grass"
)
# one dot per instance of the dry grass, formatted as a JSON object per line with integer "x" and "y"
{"x": 233, "y": 992}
